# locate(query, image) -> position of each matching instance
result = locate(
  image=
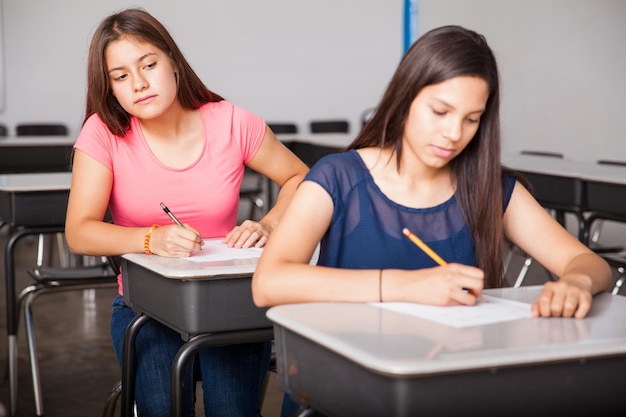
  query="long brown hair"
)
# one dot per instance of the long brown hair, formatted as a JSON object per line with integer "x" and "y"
{"x": 437, "y": 56}
{"x": 138, "y": 24}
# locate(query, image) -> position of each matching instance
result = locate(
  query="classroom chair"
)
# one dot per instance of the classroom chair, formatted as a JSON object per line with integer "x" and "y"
{"x": 254, "y": 191}
{"x": 100, "y": 273}
{"x": 310, "y": 153}
{"x": 283, "y": 128}
{"x": 329, "y": 126}
{"x": 41, "y": 129}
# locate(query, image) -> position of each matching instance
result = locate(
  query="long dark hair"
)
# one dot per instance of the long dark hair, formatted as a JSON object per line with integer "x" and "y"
{"x": 138, "y": 24}
{"x": 437, "y": 56}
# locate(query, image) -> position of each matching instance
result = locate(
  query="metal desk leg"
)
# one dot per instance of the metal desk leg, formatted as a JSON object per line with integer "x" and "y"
{"x": 128, "y": 363}
{"x": 196, "y": 343}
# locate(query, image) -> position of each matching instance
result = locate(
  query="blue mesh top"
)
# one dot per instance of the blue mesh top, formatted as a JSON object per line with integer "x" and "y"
{"x": 366, "y": 227}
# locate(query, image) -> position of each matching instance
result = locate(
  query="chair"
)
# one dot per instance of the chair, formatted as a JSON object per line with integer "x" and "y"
{"x": 330, "y": 126}
{"x": 310, "y": 153}
{"x": 41, "y": 129}
{"x": 100, "y": 274}
{"x": 3, "y": 130}
{"x": 253, "y": 188}
{"x": 283, "y": 128}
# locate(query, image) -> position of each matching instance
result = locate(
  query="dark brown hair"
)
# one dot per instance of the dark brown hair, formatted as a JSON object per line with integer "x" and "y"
{"x": 140, "y": 25}
{"x": 437, "y": 56}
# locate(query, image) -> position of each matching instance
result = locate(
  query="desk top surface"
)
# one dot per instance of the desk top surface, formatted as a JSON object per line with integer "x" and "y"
{"x": 9, "y": 141}
{"x": 392, "y": 343}
{"x": 52, "y": 181}
{"x": 567, "y": 168}
{"x": 201, "y": 265}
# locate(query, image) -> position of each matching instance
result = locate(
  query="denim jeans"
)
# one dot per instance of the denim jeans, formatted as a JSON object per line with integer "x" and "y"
{"x": 232, "y": 376}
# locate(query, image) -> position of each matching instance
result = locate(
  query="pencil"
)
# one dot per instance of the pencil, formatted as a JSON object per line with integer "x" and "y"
{"x": 423, "y": 247}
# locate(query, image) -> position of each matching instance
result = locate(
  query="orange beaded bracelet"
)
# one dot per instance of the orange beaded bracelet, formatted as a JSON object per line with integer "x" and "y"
{"x": 146, "y": 240}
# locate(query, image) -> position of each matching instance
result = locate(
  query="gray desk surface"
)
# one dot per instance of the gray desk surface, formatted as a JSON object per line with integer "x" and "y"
{"x": 32, "y": 182}
{"x": 391, "y": 343}
{"x": 36, "y": 140}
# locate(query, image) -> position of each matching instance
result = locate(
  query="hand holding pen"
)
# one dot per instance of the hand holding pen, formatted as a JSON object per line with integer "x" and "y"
{"x": 174, "y": 245}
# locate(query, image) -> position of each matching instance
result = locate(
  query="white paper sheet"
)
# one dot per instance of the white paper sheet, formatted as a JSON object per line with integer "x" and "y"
{"x": 215, "y": 250}
{"x": 494, "y": 310}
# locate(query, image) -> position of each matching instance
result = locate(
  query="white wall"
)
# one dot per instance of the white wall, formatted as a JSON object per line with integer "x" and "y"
{"x": 286, "y": 60}
{"x": 562, "y": 65}
{"x": 562, "y": 62}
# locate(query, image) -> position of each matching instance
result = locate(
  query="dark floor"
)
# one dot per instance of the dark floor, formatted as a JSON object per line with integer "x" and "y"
{"x": 77, "y": 364}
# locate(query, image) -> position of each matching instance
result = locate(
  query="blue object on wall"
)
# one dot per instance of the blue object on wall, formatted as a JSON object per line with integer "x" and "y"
{"x": 410, "y": 23}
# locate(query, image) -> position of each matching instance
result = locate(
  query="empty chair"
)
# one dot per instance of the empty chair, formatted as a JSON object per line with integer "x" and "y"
{"x": 330, "y": 126}
{"x": 310, "y": 153}
{"x": 283, "y": 128}
{"x": 41, "y": 129}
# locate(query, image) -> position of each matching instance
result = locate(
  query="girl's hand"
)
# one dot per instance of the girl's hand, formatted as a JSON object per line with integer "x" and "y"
{"x": 564, "y": 298}
{"x": 448, "y": 285}
{"x": 174, "y": 241}
{"x": 247, "y": 234}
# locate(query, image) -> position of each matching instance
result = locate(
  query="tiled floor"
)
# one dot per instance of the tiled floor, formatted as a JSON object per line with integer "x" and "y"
{"x": 77, "y": 363}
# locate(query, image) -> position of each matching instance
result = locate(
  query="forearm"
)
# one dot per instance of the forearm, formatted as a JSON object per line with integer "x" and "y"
{"x": 98, "y": 238}
{"x": 588, "y": 271}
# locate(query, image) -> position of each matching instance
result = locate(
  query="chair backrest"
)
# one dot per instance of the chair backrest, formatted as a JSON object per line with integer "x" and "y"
{"x": 330, "y": 126}
{"x": 310, "y": 153}
{"x": 543, "y": 153}
{"x": 41, "y": 129}
{"x": 282, "y": 128}
{"x": 3, "y": 130}
{"x": 612, "y": 162}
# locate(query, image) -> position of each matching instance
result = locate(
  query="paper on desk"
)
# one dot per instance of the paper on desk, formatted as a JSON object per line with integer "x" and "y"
{"x": 495, "y": 310}
{"x": 215, "y": 250}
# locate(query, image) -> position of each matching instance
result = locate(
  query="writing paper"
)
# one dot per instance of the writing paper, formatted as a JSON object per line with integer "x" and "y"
{"x": 494, "y": 310}
{"x": 215, "y": 250}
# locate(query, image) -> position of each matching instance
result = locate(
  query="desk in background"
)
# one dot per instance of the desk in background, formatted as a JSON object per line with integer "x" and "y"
{"x": 208, "y": 303}
{"x": 27, "y": 154}
{"x": 31, "y": 204}
{"x": 346, "y": 359}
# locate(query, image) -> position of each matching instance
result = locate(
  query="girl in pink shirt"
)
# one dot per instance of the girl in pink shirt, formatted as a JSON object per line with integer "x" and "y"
{"x": 153, "y": 132}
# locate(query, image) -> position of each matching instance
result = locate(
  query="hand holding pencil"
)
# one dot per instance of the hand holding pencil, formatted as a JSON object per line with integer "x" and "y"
{"x": 434, "y": 256}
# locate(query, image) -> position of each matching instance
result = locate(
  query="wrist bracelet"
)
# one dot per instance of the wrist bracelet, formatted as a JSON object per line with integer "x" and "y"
{"x": 146, "y": 239}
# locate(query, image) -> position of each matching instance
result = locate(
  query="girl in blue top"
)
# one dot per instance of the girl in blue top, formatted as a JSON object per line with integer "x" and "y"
{"x": 428, "y": 160}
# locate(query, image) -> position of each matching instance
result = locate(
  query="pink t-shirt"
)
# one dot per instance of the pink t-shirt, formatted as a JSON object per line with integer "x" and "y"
{"x": 204, "y": 194}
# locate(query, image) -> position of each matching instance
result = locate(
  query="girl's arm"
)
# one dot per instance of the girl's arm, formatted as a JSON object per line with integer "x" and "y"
{"x": 284, "y": 275}
{"x": 581, "y": 272}
{"x": 280, "y": 165}
{"x": 87, "y": 233}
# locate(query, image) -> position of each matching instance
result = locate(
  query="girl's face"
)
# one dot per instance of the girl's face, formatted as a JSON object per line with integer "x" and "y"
{"x": 443, "y": 119}
{"x": 142, "y": 77}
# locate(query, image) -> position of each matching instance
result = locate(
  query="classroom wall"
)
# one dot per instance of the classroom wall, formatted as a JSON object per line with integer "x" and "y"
{"x": 562, "y": 66}
{"x": 285, "y": 60}
{"x": 562, "y": 61}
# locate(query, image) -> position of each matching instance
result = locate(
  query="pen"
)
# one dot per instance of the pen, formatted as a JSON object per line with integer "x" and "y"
{"x": 423, "y": 247}
{"x": 171, "y": 215}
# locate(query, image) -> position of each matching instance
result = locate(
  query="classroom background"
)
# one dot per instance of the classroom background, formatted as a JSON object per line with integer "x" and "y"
{"x": 562, "y": 61}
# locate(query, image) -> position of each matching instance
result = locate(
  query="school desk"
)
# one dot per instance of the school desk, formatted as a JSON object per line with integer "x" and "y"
{"x": 26, "y": 154}
{"x": 348, "y": 359}
{"x": 30, "y": 204}
{"x": 209, "y": 303}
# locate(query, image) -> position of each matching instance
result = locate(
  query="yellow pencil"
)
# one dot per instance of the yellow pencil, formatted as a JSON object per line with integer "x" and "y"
{"x": 423, "y": 247}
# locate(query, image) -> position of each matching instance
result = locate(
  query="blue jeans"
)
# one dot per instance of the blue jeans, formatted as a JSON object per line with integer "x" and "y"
{"x": 232, "y": 376}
